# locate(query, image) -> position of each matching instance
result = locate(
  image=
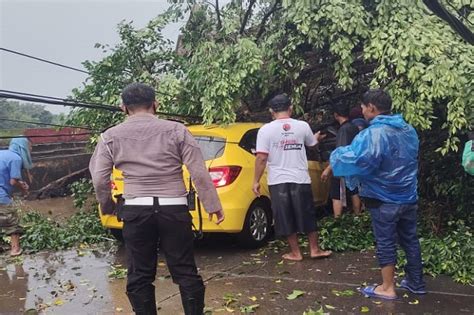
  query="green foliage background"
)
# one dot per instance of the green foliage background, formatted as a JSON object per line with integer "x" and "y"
{"x": 23, "y": 111}
{"x": 240, "y": 54}
{"x": 231, "y": 59}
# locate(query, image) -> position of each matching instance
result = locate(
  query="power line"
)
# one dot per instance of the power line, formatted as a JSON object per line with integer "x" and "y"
{"x": 48, "y": 136}
{"x": 43, "y": 124}
{"x": 37, "y": 95}
{"x": 72, "y": 103}
{"x": 54, "y": 101}
{"x": 43, "y": 60}
{"x": 65, "y": 66}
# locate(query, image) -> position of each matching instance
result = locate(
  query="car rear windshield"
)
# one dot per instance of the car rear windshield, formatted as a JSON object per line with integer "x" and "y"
{"x": 211, "y": 147}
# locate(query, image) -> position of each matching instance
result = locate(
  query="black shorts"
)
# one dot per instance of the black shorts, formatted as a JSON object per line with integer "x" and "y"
{"x": 293, "y": 208}
{"x": 335, "y": 192}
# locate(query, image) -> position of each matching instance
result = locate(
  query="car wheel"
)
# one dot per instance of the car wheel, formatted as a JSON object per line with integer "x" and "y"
{"x": 117, "y": 234}
{"x": 257, "y": 226}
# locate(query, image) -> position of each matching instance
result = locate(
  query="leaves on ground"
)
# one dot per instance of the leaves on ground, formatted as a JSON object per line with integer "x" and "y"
{"x": 59, "y": 302}
{"x": 312, "y": 312}
{"x": 343, "y": 293}
{"x": 295, "y": 294}
{"x": 364, "y": 309}
{"x": 249, "y": 308}
{"x": 229, "y": 298}
{"x": 117, "y": 272}
{"x": 330, "y": 307}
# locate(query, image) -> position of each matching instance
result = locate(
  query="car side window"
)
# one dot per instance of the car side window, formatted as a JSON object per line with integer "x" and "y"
{"x": 249, "y": 141}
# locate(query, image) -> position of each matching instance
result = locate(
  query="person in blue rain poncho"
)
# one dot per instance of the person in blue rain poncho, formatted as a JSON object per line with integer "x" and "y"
{"x": 12, "y": 161}
{"x": 382, "y": 162}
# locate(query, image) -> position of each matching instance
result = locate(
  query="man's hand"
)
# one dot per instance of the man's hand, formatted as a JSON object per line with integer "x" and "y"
{"x": 219, "y": 214}
{"x": 319, "y": 136}
{"x": 256, "y": 189}
{"x": 24, "y": 187}
{"x": 110, "y": 207}
{"x": 326, "y": 174}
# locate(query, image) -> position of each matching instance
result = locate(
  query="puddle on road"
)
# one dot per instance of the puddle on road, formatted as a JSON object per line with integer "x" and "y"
{"x": 69, "y": 282}
{"x": 59, "y": 208}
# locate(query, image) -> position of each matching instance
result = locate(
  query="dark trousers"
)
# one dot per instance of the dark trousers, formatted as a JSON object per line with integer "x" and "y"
{"x": 392, "y": 223}
{"x": 169, "y": 227}
{"x": 293, "y": 208}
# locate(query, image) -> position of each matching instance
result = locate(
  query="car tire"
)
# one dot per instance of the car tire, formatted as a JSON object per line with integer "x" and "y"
{"x": 257, "y": 225}
{"x": 117, "y": 234}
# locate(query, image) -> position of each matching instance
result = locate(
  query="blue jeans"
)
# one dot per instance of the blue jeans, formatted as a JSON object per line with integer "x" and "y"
{"x": 392, "y": 223}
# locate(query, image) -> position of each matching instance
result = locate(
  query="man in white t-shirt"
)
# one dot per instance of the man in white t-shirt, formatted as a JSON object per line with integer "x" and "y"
{"x": 281, "y": 147}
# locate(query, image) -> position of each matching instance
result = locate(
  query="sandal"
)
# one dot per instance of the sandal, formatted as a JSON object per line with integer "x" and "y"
{"x": 369, "y": 291}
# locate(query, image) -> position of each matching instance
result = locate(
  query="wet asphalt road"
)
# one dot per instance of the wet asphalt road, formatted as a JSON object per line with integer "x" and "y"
{"x": 77, "y": 282}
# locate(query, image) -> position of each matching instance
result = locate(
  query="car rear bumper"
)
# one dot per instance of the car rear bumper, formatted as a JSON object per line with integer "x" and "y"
{"x": 233, "y": 223}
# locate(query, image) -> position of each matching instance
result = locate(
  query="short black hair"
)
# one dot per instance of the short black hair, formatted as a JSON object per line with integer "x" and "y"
{"x": 138, "y": 95}
{"x": 280, "y": 103}
{"x": 379, "y": 98}
{"x": 341, "y": 109}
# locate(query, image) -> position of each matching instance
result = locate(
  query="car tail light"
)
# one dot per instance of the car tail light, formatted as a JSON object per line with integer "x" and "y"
{"x": 113, "y": 186}
{"x": 224, "y": 175}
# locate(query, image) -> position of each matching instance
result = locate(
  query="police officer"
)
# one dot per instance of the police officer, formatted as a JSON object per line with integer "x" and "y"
{"x": 150, "y": 152}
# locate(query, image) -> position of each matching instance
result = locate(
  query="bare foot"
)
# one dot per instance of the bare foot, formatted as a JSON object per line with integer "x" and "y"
{"x": 380, "y": 291}
{"x": 292, "y": 257}
{"x": 321, "y": 254}
{"x": 16, "y": 252}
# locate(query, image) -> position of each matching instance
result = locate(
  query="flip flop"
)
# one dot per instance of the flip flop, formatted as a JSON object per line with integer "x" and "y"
{"x": 17, "y": 253}
{"x": 369, "y": 291}
{"x": 329, "y": 253}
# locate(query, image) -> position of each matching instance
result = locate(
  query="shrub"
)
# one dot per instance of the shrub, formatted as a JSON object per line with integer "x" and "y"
{"x": 346, "y": 233}
{"x": 81, "y": 190}
{"x": 43, "y": 233}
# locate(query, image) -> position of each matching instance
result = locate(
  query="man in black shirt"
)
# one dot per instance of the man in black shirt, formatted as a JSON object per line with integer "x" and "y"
{"x": 338, "y": 190}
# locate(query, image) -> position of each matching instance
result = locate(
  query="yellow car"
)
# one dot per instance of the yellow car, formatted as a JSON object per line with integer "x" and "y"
{"x": 229, "y": 152}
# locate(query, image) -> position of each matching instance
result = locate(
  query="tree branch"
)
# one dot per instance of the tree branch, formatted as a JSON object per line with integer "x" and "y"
{"x": 218, "y": 13}
{"x": 247, "y": 16}
{"x": 267, "y": 15}
{"x": 456, "y": 25}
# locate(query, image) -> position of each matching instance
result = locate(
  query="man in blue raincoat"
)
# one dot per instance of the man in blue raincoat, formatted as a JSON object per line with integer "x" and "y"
{"x": 382, "y": 161}
{"x": 12, "y": 161}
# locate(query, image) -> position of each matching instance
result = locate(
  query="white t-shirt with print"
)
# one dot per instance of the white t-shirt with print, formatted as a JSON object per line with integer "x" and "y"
{"x": 284, "y": 141}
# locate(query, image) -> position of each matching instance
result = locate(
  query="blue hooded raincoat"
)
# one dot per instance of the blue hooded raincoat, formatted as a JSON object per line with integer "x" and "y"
{"x": 382, "y": 161}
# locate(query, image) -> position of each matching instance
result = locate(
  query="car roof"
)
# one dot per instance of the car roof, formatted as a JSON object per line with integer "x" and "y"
{"x": 232, "y": 132}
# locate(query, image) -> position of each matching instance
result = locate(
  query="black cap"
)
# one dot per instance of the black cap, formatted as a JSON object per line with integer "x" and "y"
{"x": 280, "y": 103}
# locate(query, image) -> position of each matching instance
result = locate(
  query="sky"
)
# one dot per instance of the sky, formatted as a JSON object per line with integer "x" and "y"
{"x": 63, "y": 31}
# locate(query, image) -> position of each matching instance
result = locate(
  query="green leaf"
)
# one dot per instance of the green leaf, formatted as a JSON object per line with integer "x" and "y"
{"x": 295, "y": 294}
{"x": 249, "y": 308}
